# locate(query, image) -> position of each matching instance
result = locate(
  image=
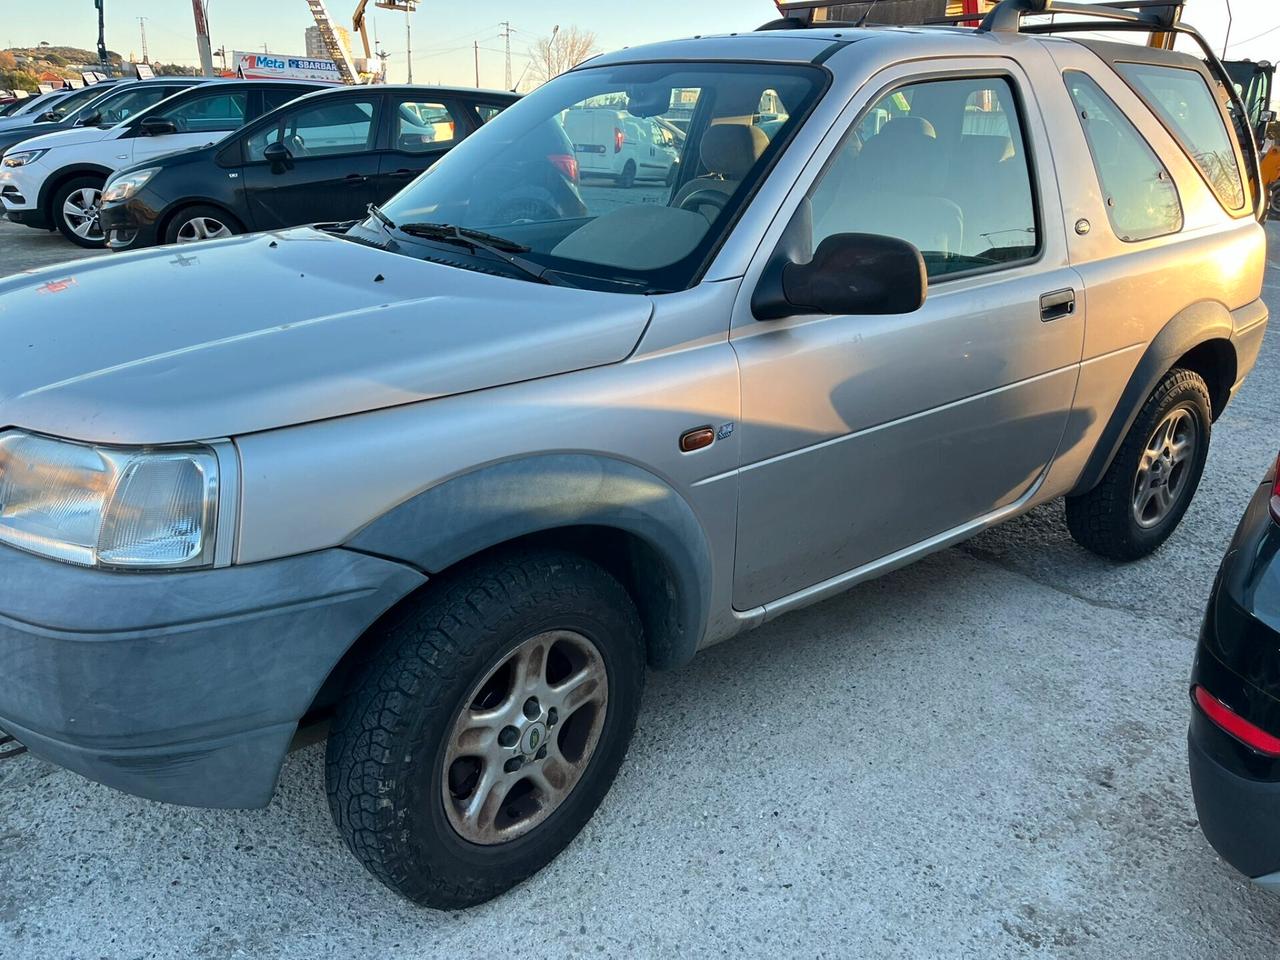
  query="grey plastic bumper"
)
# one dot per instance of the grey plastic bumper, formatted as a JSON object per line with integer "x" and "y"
{"x": 183, "y": 687}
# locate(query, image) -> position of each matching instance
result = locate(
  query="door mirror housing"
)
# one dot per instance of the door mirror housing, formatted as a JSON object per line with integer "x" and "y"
{"x": 279, "y": 156}
{"x": 47, "y": 117}
{"x": 90, "y": 119}
{"x": 850, "y": 273}
{"x": 158, "y": 127}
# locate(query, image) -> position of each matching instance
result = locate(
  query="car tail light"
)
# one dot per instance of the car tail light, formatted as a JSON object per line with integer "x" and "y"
{"x": 566, "y": 163}
{"x": 1236, "y": 725}
{"x": 617, "y": 140}
{"x": 1275, "y": 494}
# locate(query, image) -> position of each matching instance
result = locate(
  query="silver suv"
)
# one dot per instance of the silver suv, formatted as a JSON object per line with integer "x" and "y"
{"x": 450, "y": 478}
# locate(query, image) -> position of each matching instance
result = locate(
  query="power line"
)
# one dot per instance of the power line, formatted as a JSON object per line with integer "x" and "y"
{"x": 1236, "y": 43}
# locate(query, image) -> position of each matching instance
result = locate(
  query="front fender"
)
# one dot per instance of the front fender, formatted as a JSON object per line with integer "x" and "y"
{"x": 505, "y": 501}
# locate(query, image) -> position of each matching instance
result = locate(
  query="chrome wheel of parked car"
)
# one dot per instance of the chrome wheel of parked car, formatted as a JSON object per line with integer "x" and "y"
{"x": 202, "y": 228}
{"x": 524, "y": 737}
{"x": 75, "y": 210}
{"x": 482, "y": 735}
{"x": 1162, "y": 471}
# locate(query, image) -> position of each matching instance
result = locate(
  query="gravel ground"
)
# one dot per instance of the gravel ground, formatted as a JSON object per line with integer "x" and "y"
{"x": 980, "y": 756}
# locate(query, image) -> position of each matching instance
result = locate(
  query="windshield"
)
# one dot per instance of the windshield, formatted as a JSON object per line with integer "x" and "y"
{"x": 123, "y": 104}
{"x": 73, "y": 101}
{"x": 622, "y": 177}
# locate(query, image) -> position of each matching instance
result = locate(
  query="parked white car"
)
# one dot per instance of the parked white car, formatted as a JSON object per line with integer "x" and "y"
{"x": 612, "y": 143}
{"x": 55, "y": 181}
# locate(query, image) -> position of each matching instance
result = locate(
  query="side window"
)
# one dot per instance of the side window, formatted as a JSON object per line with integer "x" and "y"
{"x": 127, "y": 104}
{"x": 488, "y": 111}
{"x": 941, "y": 164}
{"x": 1142, "y": 201}
{"x": 1185, "y": 104}
{"x": 318, "y": 130}
{"x": 422, "y": 125}
{"x": 276, "y": 97}
{"x": 215, "y": 111}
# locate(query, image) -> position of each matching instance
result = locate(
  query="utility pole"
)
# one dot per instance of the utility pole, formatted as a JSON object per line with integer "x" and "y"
{"x": 506, "y": 36}
{"x": 476, "y": 44}
{"x": 202, "y": 38}
{"x": 221, "y": 54}
{"x": 408, "y": 40}
{"x": 142, "y": 26}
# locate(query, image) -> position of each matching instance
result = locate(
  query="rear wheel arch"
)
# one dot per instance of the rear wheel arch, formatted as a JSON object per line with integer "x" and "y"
{"x": 1197, "y": 339}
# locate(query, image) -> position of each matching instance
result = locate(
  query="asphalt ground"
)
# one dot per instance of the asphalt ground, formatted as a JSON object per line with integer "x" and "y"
{"x": 982, "y": 755}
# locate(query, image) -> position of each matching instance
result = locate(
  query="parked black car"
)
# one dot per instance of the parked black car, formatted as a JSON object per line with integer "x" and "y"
{"x": 325, "y": 156}
{"x": 1234, "y": 740}
{"x": 111, "y": 104}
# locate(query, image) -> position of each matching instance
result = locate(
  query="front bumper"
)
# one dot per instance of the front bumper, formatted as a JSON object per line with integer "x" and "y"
{"x": 181, "y": 687}
{"x": 20, "y": 187}
{"x": 132, "y": 224}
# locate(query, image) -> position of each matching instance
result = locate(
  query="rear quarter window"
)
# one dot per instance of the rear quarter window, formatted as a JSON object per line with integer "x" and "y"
{"x": 1186, "y": 106}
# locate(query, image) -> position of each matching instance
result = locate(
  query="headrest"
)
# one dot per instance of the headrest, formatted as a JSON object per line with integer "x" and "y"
{"x": 731, "y": 149}
{"x": 903, "y": 127}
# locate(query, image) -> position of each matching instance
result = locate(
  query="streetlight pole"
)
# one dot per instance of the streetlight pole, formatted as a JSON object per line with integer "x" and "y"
{"x": 408, "y": 40}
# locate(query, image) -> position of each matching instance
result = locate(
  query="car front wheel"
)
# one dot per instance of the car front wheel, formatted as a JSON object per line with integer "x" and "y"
{"x": 201, "y": 223}
{"x": 483, "y": 735}
{"x": 1154, "y": 475}
{"x": 75, "y": 212}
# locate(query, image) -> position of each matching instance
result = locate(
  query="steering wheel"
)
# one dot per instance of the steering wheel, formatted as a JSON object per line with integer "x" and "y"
{"x": 706, "y": 197}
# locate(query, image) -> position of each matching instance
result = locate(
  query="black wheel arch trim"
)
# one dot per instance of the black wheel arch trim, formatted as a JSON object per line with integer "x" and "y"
{"x": 1197, "y": 325}
{"x": 53, "y": 183}
{"x": 514, "y": 499}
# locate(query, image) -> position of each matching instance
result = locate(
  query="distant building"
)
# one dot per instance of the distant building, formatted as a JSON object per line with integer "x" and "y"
{"x": 315, "y": 44}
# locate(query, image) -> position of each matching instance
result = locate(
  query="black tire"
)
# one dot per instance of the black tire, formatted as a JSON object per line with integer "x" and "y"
{"x": 627, "y": 179}
{"x": 185, "y": 218}
{"x": 1104, "y": 520}
{"x": 673, "y": 173}
{"x": 385, "y": 761}
{"x": 91, "y": 236}
{"x": 1273, "y": 204}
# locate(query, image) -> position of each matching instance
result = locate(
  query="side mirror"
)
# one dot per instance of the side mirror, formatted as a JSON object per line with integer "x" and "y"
{"x": 858, "y": 273}
{"x": 47, "y": 117}
{"x": 280, "y": 157}
{"x": 90, "y": 119}
{"x": 158, "y": 127}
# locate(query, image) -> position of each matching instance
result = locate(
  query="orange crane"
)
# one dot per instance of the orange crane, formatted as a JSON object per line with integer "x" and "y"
{"x": 359, "y": 25}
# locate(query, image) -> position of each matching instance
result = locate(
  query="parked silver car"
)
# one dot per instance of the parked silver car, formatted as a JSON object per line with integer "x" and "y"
{"x": 450, "y": 478}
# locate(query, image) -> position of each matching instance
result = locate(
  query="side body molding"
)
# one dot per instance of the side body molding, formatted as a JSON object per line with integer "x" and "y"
{"x": 1197, "y": 324}
{"x": 498, "y": 503}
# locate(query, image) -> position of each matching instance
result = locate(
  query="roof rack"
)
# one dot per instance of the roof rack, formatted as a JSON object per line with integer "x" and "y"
{"x": 1159, "y": 15}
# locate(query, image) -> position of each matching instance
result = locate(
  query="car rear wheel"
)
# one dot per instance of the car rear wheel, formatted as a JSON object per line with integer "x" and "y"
{"x": 483, "y": 735}
{"x": 74, "y": 211}
{"x": 1156, "y": 471}
{"x": 201, "y": 223}
{"x": 627, "y": 179}
{"x": 1273, "y": 207}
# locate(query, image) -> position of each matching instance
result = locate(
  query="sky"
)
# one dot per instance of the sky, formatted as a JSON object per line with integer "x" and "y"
{"x": 443, "y": 33}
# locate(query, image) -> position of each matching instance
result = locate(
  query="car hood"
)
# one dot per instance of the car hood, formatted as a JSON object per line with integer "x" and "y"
{"x": 69, "y": 138}
{"x": 255, "y": 332}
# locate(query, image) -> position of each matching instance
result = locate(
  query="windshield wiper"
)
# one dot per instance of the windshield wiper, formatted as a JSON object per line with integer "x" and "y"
{"x": 490, "y": 243}
{"x": 376, "y": 212}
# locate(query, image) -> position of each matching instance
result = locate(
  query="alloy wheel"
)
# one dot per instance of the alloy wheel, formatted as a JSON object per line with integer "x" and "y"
{"x": 1164, "y": 468}
{"x": 80, "y": 211}
{"x": 202, "y": 228}
{"x": 524, "y": 737}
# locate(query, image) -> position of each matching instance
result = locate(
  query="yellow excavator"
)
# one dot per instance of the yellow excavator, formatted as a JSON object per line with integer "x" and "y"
{"x": 1255, "y": 80}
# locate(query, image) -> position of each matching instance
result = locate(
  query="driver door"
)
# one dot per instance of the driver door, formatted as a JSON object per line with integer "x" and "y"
{"x": 868, "y": 436}
{"x": 332, "y": 168}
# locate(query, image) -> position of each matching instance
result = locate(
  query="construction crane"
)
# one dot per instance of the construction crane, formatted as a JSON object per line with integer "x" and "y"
{"x": 339, "y": 54}
{"x": 359, "y": 25}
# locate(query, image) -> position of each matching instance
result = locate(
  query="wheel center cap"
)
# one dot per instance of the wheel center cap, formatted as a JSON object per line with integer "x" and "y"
{"x": 535, "y": 736}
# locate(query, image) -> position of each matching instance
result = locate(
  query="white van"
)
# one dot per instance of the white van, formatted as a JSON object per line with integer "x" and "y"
{"x": 612, "y": 143}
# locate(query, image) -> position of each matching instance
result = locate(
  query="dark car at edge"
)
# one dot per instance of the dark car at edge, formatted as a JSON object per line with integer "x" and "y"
{"x": 1234, "y": 739}
{"x": 324, "y": 156}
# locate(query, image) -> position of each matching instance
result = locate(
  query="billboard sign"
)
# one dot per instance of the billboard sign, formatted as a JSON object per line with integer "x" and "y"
{"x": 270, "y": 66}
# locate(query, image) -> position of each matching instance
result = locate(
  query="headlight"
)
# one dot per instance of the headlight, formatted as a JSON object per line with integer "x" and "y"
{"x": 101, "y": 506}
{"x": 122, "y": 188}
{"x": 22, "y": 157}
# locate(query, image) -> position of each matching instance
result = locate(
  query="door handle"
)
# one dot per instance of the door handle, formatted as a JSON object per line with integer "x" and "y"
{"x": 1057, "y": 304}
{"x": 402, "y": 174}
{"x": 354, "y": 178}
